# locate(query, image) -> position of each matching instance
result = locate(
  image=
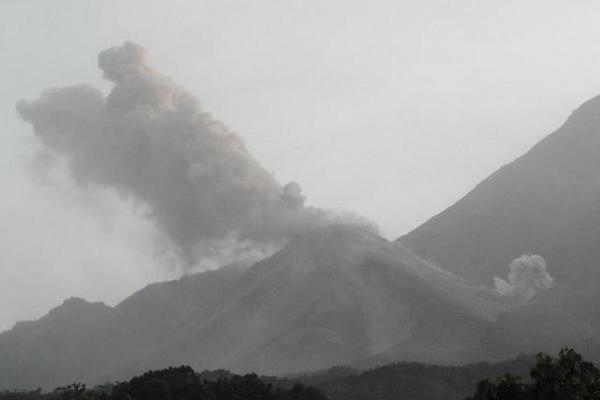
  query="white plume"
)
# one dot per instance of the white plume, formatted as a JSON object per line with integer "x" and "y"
{"x": 527, "y": 276}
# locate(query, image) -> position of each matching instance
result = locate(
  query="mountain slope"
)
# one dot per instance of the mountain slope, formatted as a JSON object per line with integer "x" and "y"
{"x": 330, "y": 297}
{"x": 334, "y": 297}
{"x": 81, "y": 341}
{"x": 546, "y": 202}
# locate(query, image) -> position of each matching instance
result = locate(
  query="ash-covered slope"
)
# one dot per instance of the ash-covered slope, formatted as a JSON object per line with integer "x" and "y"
{"x": 328, "y": 298}
{"x": 334, "y": 297}
{"x": 546, "y": 202}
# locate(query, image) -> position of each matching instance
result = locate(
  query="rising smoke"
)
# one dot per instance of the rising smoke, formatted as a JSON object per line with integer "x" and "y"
{"x": 150, "y": 140}
{"x": 527, "y": 276}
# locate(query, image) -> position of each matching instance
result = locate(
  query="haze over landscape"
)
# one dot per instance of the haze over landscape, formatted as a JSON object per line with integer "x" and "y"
{"x": 391, "y": 110}
{"x": 285, "y": 190}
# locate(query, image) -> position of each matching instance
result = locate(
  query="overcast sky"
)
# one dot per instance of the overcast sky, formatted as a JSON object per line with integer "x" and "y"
{"x": 392, "y": 109}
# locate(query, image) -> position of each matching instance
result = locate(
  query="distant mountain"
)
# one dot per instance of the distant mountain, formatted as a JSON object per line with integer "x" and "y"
{"x": 328, "y": 298}
{"x": 546, "y": 202}
{"x": 82, "y": 341}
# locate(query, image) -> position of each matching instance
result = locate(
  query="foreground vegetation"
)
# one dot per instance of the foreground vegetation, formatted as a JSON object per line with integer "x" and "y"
{"x": 567, "y": 377}
{"x": 181, "y": 383}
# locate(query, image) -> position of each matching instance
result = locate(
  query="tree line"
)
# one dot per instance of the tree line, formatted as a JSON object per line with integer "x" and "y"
{"x": 566, "y": 377}
{"x": 176, "y": 383}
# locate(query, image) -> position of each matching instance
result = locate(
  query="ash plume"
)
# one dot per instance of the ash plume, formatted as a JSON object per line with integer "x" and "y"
{"x": 527, "y": 276}
{"x": 150, "y": 140}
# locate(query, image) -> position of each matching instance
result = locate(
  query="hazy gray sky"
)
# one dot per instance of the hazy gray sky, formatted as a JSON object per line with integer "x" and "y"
{"x": 392, "y": 109}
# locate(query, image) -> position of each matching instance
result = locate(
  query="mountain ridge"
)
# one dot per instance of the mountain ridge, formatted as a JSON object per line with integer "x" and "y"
{"x": 545, "y": 202}
{"x": 327, "y": 298}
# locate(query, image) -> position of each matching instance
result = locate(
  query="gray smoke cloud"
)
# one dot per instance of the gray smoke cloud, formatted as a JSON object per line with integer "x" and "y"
{"x": 527, "y": 276}
{"x": 150, "y": 140}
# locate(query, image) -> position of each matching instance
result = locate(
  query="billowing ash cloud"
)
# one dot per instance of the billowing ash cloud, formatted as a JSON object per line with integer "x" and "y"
{"x": 150, "y": 139}
{"x": 527, "y": 276}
